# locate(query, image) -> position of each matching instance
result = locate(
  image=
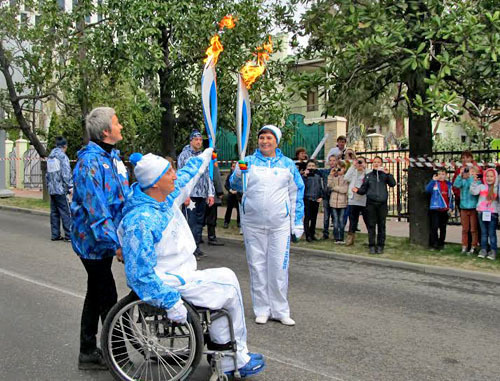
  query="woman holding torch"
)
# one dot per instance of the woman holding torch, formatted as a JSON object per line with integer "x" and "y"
{"x": 272, "y": 209}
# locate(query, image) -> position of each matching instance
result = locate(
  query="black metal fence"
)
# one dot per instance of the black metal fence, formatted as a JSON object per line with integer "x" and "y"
{"x": 398, "y": 196}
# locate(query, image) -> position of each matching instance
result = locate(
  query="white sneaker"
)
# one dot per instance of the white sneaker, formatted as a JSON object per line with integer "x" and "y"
{"x": 261, "y": 319}
{"x": 241, "y": 231}
{"x": 482, "y": 254}
{"x": 464, "y": 249}
{"x": 287, "y": 321}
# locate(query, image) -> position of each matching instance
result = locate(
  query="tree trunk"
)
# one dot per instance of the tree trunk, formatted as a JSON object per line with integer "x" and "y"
{"x": 420, "y": 133}
{"x": 83, "y": 98}
{"x": 400, "y": 127}
{"x": 167, "y": 115}
{"x": 25, "y": 127}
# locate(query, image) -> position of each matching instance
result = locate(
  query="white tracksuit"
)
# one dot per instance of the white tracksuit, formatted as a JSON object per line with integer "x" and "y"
{"x": 160, "y": 266}
{"x": 272, "y": 207}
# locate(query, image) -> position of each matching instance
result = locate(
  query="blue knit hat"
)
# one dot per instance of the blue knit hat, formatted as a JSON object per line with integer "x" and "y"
{"x": 195, "y": 134}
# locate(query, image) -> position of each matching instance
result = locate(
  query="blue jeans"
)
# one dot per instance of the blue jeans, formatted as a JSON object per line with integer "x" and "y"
{"x": 327, "y": 215}
{"x": 59, "y": 212}
{"x": 489, "y": 231}
{"x": 347, "y": 213}
{"x": 338, "y": 223}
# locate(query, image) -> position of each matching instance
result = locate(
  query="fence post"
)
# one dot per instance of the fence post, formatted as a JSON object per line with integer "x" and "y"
{"x": 334, "y": 127}
{"x": 9, "y": 144}
{"x": 4, "y": 192}
{"x": 21, "y": 148}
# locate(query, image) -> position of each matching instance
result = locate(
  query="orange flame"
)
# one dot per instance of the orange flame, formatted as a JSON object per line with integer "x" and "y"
{"x": 227, "y": 22}
{"x": 214, "y": 49}
{"x": 251, "y": 71}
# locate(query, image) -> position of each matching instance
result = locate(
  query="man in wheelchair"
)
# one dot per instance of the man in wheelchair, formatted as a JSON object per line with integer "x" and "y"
{"x": 158, "y": 249}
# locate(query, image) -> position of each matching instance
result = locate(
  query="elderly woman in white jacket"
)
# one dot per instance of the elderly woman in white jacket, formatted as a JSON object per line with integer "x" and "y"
{"x": 356, "y": 202}
{"x": 272, "y": 209}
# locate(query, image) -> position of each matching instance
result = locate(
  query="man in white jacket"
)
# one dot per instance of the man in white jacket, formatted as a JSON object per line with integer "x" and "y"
{"x": 158, "y": 251}
{"x": 272, "y": 208}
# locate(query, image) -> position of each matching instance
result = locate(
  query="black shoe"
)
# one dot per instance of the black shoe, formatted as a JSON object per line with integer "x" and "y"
{"x": 358, "y": 230}
{"x": 214, "y": 242}
{"x": 372, "y": 250}
{"x": 92, "y": 361}
{"x": 325, "y": 237}
{"x": 57, "y": 239}
{"x": 66, "y": 239}
{"x": 199, "y": 254}
{"x": 308, "y": 239}
{"x": 380, "y": 250}
{"x": 226, "y": 225}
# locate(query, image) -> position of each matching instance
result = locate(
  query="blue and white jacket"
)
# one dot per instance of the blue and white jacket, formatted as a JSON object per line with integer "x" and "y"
{"x": 59, "y": 177}
{"x": 205, "y": 186}
{"x": 156, "y": 239}
{"x": 100, "y": 188}
{"x": 274, "y": 197}
{"x": 437, "y": 200}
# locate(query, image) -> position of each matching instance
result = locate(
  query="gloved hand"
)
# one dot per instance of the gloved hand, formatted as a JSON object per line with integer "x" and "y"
{"x": 208, "y": 153}
{"x": 297, "y": 231}
{"x": 178, "y": 312}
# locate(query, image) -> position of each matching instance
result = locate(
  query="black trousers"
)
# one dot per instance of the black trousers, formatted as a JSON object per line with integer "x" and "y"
{"x": 439, "y": 220}
{"x": 376, "y": 213}
{"x": 232, "y": 202}
{"x": 355, "y": 212}
{"x": 211, "y": 220}
{"x": 101, "y": 296}
{"x": 196, "y": 217}
{"x": 310, "y": 214}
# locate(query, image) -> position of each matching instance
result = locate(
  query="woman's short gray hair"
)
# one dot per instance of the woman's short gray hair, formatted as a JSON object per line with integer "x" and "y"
{"x": 97, "y": 121}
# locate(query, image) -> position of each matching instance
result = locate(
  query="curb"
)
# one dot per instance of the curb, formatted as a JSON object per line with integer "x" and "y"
{"x": 427, "y": 269}
{"x": 24, "y": 210}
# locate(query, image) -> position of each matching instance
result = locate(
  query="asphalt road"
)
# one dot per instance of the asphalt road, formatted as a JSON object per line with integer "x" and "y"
{"x": 354, "y": 321}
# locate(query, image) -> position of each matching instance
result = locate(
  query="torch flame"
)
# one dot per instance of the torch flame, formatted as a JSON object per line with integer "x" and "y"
{"x": 214, "y": 49}
{"x": 227, "y": 22}
{"x": 251, "y": 71}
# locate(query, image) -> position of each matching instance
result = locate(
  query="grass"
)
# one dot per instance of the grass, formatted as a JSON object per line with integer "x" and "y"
{"x": 26, "y": 203}
{"x": 397, "y": 248}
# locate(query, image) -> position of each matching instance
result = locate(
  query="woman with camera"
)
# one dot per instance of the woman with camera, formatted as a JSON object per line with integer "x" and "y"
{"x": 356, "y": 202}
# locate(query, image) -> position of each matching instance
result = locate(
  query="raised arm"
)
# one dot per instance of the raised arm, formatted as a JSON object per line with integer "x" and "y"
{"x": 188, "y": 176}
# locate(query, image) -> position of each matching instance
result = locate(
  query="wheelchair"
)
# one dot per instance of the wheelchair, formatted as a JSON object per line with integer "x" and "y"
{"x": 139, "y": 342}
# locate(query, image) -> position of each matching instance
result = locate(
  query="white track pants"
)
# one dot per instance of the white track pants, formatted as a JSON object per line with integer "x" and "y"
{"x": 268, "y": 256}
{"x": 216, "y": 289}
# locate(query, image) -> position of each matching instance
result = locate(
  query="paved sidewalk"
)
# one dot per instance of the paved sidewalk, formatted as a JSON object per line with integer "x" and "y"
{"x": 394, "y": 227}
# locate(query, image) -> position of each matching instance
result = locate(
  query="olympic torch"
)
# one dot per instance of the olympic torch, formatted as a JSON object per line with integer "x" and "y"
{"x": 248, "y": 75}
{"x": 209, "y": 87}
{"x": 209, "y": 103}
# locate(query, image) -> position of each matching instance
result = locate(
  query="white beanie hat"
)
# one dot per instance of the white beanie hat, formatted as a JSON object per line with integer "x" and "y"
{"x": 274, "y": 130}
{"x": 148, "y": 168}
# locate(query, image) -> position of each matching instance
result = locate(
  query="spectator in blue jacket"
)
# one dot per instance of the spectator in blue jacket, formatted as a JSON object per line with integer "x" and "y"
{"x": 327, "y": 210}
{"x": 59, "y": 184}
{"x": 441, "y": 203}
{"x": 101, "y": 186}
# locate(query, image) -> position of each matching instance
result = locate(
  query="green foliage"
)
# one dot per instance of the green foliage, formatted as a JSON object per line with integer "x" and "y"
{"x": 367, "y": 46}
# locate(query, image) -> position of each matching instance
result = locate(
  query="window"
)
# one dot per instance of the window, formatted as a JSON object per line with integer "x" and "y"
{"x": 24, "y": 17}
{"x": 463, "y": 138}
{"x": 61, "y": 4}
{"x": 312, "y": 100}
{"x": 38, "y": 18}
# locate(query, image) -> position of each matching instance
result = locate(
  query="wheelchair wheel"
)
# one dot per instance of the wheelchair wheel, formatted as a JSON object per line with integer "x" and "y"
{"x": 139, "y": 342}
